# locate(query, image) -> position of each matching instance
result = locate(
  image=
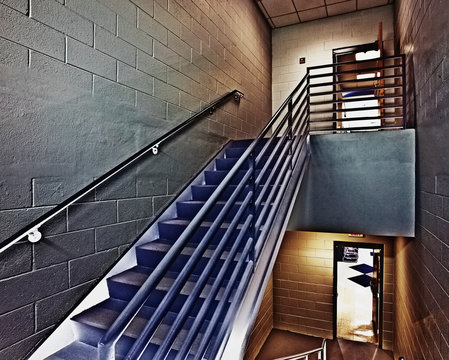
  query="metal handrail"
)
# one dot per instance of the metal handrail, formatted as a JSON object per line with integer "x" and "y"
{"x": 305, "y": 355}
{"x": 32, "y": 230}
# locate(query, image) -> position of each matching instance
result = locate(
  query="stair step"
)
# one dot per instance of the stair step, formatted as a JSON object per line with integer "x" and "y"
{"x": 228, "y": 162}
{"x": 188, "y": 209}
{"x": 93, "y": 323}
{"x": 123, "y": 286}
{"x": 216, "y": 177}
{"x": 236, "y": 152}
{"x": 204, "y": 192}
{"x": 173, "y": 228}
{"x": 150, "y": 254}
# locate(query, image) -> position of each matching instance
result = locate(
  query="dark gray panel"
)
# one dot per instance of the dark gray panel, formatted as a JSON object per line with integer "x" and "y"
{"x": 359, "y": 183}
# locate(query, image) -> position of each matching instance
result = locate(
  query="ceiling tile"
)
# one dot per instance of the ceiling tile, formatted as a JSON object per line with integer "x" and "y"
{"x": 278, "y": 8}
{"x": 285, "y": 20}
{"x": 342, "y": 8}
{"x": 313, "y": 14}
{"x": 307, "y": 4}
{"x": 365, "y": 4}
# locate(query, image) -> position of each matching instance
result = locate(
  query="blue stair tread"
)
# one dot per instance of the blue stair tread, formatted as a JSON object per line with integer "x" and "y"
{"x": 137, "y": 275}
{"x": 102, "y": 318}
{"x": 76, "y": 350}
{"x": 165, "y": 245}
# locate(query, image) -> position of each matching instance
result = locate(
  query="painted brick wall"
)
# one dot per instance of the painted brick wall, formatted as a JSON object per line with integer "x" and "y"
{"x": 315, "y": 40}
{"x": 422, "y": 271}
{"x": 303, "y": 283}
{"x": 84, "y": 84}
{"x": 263, "y": 324}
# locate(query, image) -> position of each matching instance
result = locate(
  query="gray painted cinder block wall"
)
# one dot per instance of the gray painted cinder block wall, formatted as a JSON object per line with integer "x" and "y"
{"x": 83, "y": 85}
{"x": 422, "y": 263}
{"x": 359, "y": 183}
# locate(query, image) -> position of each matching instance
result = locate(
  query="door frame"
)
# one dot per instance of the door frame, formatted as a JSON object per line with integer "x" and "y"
{"x": 362, "y": 245}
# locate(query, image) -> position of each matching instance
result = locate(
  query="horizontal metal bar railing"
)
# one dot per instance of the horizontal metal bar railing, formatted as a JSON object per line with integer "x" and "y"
{"x": 358, "y": 71}
{"x": 32, "y": 230}
{"x": 340, "y": 98}
{"x": 371, "y": 79}
{"x": 393, "y": 106}
{"x": 367, "y": 118}
{"x": 355, "y": 62}
{"x": 360, "y": 89}
{"x": 349, "y": 100}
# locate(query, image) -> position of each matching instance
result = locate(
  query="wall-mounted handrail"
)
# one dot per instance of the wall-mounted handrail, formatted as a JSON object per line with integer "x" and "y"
{"x": 32, "y": 230}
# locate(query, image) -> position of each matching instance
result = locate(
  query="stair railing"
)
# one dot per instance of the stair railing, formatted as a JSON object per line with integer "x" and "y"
{"x": 281, "y": 146}
{"x": 32, "y": 230}
{"x": 288, "y": 140}
{"x": 340, "y": 95}
{"x": 321, "y": 352}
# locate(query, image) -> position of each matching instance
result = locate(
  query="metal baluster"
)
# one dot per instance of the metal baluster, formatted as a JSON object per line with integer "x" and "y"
{"x": 252, "y": 203}
{"x": 404, "y": 93}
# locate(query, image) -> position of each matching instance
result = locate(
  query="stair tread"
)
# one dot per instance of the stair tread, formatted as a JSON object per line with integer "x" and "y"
{"x": 187, "y": 250}
{"x": 136, "y": 276}
{"x": 102, "y": 318}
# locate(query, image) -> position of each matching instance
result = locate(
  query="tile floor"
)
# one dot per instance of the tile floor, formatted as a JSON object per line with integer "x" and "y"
{"x": 354, "y": 302}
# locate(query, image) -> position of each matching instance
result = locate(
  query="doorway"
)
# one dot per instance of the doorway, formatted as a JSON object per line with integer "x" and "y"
{"x": 358, "y": 291}
{"x": 356, "y": 98}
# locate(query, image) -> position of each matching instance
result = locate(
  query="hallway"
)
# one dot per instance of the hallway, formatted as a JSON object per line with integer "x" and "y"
{"x": 283, "y": 343}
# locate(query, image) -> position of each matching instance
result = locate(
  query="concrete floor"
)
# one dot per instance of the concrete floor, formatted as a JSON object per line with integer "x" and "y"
{"x": 284, "y": 343}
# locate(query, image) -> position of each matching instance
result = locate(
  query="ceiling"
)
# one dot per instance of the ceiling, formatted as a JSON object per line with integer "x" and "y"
{"x": 287, "y": 12}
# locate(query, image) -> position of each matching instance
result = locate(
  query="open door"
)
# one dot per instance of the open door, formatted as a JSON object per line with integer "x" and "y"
{"x": 376, "y": 286}
{"x": 358, "y": 291}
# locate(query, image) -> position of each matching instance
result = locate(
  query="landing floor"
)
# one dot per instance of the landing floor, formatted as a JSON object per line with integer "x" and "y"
{"x": 283, "y": 343}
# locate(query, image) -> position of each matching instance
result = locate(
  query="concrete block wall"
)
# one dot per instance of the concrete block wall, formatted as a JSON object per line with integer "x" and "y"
{"x": 84, "y": 84}
{"x": 315, "y": 40}
{"x": 422, "y": 271}
{"x": 303, "y": 283}
{"x": 263, "y": 325}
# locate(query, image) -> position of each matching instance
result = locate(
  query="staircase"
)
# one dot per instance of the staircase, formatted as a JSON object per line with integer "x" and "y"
{"x": 219, "y": 270}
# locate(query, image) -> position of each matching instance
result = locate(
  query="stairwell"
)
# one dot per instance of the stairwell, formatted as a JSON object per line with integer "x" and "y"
{"x": 191, "y": 286}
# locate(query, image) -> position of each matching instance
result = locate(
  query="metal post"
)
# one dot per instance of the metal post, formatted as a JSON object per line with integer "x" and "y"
{"x": 404, "y": 92}
{"x": 308, "y": 100}
{"x": 252, "y": 203}
{"x": 324, "y": 350}
{"x": 290, "y": 131}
